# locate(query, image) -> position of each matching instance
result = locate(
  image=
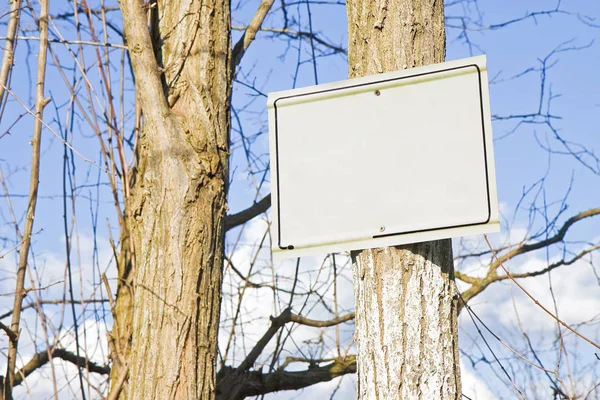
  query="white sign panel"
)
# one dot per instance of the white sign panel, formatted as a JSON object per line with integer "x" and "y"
{"x": 395, "y": 158}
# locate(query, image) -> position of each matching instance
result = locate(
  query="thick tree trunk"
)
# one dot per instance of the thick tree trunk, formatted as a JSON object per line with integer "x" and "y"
{"x": 177, "y": 205}
{"x": 406, "y": 329}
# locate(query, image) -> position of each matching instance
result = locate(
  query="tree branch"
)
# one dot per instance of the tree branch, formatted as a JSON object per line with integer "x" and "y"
{"x": 55, "y": 302}
{"x": 11, "y": 335}
{"x": 118, "y": 386}
{"x": 537, "y": 302}
{"x": 466, "y": 278}
{"x": 41, "y": 359}
{"x": 478, "y": 285}
{"x": 84, "y": 42}
{"x": 40, "y": 103}
{"x": 293, "y": 33}
{"x": 147, "y": 71}
{"x": 560, "y": 235}
{"x": 9, "y": 45}
{"x": 276, "y": 323}
{"x": 321, "y": 324}
{"x": 555, "y": 265}
{"x": 248, "y": 36}
{"x": 237, "y": 386}
{"x": 279, "y": 321}
{"x": 231, "y": 221}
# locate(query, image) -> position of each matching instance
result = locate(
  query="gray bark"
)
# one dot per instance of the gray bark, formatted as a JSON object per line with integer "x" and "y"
{"x": 406, "y": 304}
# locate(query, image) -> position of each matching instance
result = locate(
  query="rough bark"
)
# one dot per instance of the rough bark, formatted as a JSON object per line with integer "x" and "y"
{"x": 406, "y": 330}
{"x": 175, "y": 214}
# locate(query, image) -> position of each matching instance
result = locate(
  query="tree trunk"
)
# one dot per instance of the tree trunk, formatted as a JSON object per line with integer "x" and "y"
{"x": 177, "y": 204}
{"x": 406, "y": 319}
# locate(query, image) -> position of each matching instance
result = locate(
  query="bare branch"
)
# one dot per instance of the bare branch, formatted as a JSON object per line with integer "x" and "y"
{"x": 147, "y": 71}
{"x": 276, "y": 323}
{"x": 231, "y": 221}
{"x": 11, "y": 335}
{"x": 279, "y": 321}
{"x": 234, "y": 386}
{"x": 528, "y": 15}
{"x": 9, "y": 45}
{"x": 557, "y": 264}
{"x": 293, "y": 33}
{"x": 84, "y": 42}
{"x": 40, "y": 103}
{"x": 41, "y": 359}
{"x": 537, "y": 302}
{"x": 560, "y": 235}
{"x": 118, "y": 387}
{"x": 55, "y": 302}
{"x": 322, "y": 324}
{"x": 248, "y": 36}
{"x": 37, "y": 119}
{"x": 480, "y": 284}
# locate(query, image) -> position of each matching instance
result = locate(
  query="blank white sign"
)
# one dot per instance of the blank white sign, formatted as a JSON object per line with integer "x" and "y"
{"x": 383, "y": 160}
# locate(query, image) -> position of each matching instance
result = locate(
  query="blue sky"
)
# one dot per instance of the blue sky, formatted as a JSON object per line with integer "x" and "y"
{"x": 520, "y": 160}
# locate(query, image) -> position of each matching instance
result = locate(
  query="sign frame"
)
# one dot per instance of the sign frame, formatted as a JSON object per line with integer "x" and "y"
{"x": 282, "y": 249}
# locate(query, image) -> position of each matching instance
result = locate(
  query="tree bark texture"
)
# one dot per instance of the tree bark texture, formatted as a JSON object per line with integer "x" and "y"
{"x": 168, "y": 311}
{"x": 406, "y": 302}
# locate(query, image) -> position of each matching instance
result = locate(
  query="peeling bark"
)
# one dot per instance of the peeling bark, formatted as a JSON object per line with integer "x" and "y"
{"x": 406, "y": 301}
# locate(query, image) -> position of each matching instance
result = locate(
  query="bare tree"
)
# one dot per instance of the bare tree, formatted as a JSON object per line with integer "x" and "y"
{"x": 137, "y": 156}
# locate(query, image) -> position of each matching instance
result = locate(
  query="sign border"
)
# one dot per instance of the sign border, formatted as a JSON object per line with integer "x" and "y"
{"x": 371, "y": 83}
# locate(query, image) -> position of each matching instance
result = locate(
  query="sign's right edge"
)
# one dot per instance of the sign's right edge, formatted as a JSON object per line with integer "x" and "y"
{"x": 489, "y": 143}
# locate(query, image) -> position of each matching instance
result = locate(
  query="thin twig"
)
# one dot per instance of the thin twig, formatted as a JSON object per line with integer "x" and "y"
{"x": 596, "y": 345}
{"x": 40, "y": 103}
{"x": 11, "y": 335}
{"x": 248, "y": 36}
{"x": 37, "y": 119}
{"x": 9, "y": 45}
{"x": 84, "y": 42}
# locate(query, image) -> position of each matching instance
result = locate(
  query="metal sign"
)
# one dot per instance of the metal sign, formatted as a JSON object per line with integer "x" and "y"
{"x": 394, "y": 158}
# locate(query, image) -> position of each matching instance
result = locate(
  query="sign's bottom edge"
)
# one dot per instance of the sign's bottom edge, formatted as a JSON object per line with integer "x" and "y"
{"x": 387, "y": 241}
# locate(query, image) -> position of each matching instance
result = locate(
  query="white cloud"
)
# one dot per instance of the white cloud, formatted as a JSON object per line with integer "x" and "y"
{"x": 93, "y": 345}
{"x": 575, "y": 289}
{"x": 473, "y": 384}
{"x": 50, "y": 273}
